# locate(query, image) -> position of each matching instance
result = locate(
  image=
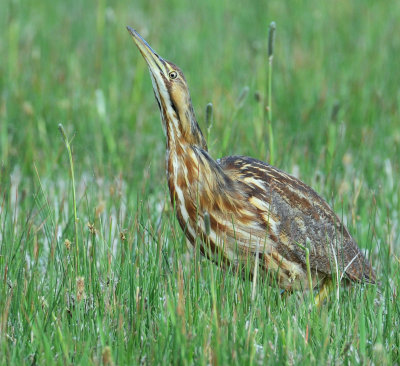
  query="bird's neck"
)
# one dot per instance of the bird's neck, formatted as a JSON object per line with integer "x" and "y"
{"x": 181, "y": 125}
{"x": 189, "y": 172}
{"x": 192, "y": 173}
{"x": 186, "y": 147}
{"x": 184, "y": 156}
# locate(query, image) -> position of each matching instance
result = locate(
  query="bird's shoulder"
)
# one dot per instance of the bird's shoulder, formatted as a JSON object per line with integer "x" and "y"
{"x": 286, "y": 194}
{"x": 264, "y": 177}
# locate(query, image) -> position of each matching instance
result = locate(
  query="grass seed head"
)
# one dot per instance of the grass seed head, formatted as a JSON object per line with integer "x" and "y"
{"x": 80, "y": 288}
{"x": 67, "y": 244}
{"x": 91, "y": 228}
{"x": 122, "y": 236}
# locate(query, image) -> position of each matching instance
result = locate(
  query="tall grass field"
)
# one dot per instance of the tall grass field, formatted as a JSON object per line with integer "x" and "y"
{"x": 94, "y": 268}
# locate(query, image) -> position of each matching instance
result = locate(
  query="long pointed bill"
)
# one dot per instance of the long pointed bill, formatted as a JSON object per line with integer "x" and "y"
{"x": 153, "y": 60}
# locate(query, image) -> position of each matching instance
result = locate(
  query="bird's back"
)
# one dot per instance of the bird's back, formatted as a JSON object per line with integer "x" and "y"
{"x": 291, "y": 215}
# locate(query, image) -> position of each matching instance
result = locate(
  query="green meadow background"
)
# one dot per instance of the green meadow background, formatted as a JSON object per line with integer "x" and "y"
{"x": 124, "y": 288}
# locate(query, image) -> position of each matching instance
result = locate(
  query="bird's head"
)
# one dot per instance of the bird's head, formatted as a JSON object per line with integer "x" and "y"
{"x": 172, "y": 94}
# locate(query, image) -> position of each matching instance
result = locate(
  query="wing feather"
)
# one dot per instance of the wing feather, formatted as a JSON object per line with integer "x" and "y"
{"x": 293, "y": 213}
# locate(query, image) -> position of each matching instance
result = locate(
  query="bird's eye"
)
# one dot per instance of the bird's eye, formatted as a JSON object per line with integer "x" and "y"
{"x": 173, "y": 75}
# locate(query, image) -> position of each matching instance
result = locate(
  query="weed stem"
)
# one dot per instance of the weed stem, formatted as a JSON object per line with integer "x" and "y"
{"x": 71, "y": 165}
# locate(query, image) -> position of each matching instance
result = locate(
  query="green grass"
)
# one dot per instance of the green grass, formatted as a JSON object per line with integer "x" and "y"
{"x": 134, "y": 294}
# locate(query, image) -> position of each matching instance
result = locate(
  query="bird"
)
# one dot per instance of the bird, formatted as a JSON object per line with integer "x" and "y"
{"x": 240, "y": 211}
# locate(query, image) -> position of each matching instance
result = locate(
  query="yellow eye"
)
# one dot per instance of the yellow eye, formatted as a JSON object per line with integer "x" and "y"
{"x": 173, "y": 75}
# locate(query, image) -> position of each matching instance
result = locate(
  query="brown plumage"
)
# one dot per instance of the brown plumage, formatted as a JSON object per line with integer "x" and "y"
{"x": 254, "y": 210}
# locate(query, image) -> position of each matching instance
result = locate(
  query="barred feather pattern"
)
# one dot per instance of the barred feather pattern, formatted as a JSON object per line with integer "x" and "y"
{"x": 258, "y": 210}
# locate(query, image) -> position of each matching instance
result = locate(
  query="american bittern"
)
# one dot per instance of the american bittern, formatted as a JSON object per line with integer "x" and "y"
{"x": 241, "y": 209}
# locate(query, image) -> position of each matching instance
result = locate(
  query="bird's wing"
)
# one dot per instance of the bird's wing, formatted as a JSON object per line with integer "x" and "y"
{"x": 294, "y": 215}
